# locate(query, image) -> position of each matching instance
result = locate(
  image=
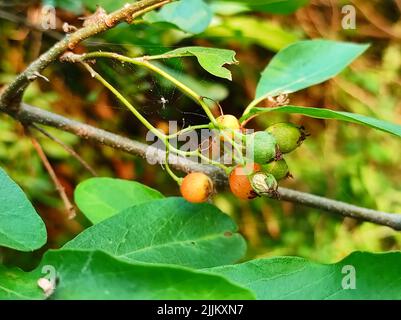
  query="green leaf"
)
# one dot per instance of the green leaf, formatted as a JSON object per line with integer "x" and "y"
{"x": 212, "y": 60}
{"x": 170, "y": 230}
{"x": 69, "y": 5}
{"x": 21, "y": 228}
{"x": 248, "y": 30}
{"x": 305, "y": 63}
{"x": 272, "y": 6}
{"x": 15, "y": 284}
{"x": 280, "y": 6}
{"x": 97, "y": 275}
{"x": 77, "y": 6}
{"x": 101, "y": 198}
{"x": 377, "y": 277}
{"x": 192, "y": 16}
{"x": 322, "y": 113}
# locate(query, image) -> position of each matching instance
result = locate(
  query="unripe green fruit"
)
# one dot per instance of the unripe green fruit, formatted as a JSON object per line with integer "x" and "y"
{"x": 229, "y": 122}
{"x": 288, "y": 136}
{"x": 279, "y": 169}
{"x": 262, "y": 146}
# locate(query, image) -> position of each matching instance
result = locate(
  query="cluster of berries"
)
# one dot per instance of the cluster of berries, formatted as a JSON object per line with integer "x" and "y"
{"x": 259, "y": 175}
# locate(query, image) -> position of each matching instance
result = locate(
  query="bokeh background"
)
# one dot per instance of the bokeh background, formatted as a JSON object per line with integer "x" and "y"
{"x": 339, "y": 160}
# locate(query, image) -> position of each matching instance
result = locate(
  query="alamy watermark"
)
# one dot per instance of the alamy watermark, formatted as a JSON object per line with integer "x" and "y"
{"x": 48, "y": 282}
{"x": 349, "y": 280}
{"x": 48, "y": 18}
{"x": 349, "y": 17}
{"x": 210, "y": 143}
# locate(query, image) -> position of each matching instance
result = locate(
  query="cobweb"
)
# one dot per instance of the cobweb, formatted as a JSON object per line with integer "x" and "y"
{"x": 151, "y": 94}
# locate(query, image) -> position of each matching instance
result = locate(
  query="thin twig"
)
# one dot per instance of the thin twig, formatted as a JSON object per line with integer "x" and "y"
{"x": 66, "y": 148}
{"x": 29, "y": 114}
{"x": 68, "y": 205}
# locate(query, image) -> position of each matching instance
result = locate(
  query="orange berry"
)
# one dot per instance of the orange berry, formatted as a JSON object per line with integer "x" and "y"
{"x": 239, "y": 181}
{"x": 196, "y": 187}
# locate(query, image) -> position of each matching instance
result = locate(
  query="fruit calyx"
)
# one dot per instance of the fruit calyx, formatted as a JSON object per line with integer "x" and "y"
{"x": 264, "y": 184}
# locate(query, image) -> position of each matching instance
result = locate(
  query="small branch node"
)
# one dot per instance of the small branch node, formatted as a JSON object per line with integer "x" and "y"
{"x": 34, "y": 75}
{"x": 99, "y": 16}
{"x": 70, "y": 57}
{"x": 68, "y": 28}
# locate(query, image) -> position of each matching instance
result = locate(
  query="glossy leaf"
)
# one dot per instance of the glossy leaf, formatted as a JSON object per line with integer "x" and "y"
{"x": 305, "y": 63}
{"x": 21, "y": 228}
{"x": 101, "y": 198}
{"x": 272, "y": 6}
{"x": 373, "y": 276}
{"x": 97, "y": 275}
{"x": 77, "y": 6}
{"x": 281, "y": 6}
{"x": 212, "y": 60}
{"x": 248, "y": 30}
{"x": 171, "y": 230}
{"x": 322, "y": 113}
{"x": 192, "y": 16}
{"x": 15, "y": 284}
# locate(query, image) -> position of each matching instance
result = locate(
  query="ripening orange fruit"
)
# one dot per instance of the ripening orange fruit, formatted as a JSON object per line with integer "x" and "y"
{"x": 239, "y": 181}
{"x": 196, "y": 187}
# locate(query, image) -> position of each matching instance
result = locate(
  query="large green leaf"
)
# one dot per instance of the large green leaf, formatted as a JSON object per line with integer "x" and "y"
{"x": 21, "y": 228}
{"x": 77, "y": 6}
{"x": 378, "y": 276}
{"x": 171, "y": 230}
{"x": 280, "y": 6}
{"x": 248, "y": 30}
{"x": 189, "y": 15}
{"x": 101, "y": 198}
{"x": 272, "y": 6}
{"x": 322, "y": 113}
{"x": 303, "y": 64}
{"x": 15, "y": 284}
{"x": 212, "y": 60}
{"x": 97, "y": 275}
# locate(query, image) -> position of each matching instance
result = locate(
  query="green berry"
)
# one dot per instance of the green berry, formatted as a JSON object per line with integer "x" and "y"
{"x": 288, "y": 136}
{"x": 279, "y": 169}
{"x": 261, "y": 145}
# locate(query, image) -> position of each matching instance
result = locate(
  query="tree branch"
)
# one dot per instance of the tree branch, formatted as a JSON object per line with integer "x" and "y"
{"x": 10, "y": 102}
{"x": 29, "y": 114}
{"x": 11, "y": 97}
